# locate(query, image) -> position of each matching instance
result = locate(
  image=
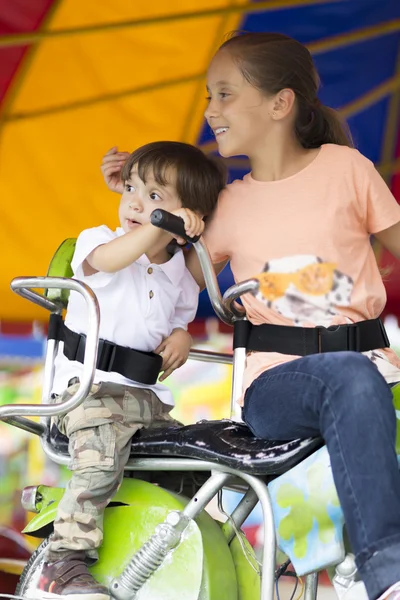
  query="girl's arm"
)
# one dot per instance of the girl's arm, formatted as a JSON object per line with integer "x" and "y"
{"x": 390, "y": 239}
{"x": 111, "y": 166}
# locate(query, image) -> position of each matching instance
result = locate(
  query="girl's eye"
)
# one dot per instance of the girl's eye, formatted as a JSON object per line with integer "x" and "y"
{"x": 155, "y": 196}
{"x": 220, "y": 94}
{"x": 129, "y": 188}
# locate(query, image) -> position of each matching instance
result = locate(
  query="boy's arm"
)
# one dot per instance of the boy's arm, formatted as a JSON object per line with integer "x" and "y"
{"x": 124, "y": 250}
{"x": 174, "y": 351}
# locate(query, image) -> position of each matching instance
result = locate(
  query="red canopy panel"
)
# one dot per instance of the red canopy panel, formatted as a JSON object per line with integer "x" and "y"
{"x": 392, "y": 280}
{"x": 18, "y": 16}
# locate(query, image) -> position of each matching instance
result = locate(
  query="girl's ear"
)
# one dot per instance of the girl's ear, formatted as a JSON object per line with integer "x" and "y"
{"x": 284, "y": 102}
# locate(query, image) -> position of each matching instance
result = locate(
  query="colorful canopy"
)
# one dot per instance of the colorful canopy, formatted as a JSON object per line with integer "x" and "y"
{"x": 77, "y": 77}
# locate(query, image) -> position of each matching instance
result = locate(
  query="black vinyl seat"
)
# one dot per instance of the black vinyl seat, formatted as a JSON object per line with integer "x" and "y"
{"x": 224, "y": 442}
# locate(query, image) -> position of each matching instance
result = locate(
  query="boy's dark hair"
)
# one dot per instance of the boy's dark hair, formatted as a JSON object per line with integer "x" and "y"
{"x": 199, "y": 178}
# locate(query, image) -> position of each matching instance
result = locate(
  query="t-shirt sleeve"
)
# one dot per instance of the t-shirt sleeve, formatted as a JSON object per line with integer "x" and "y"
{"x": 87, "y": 241}
{"x": 379, "y": 206}
{"x": 216, "y": 235}
{"x": 186, "y": 307}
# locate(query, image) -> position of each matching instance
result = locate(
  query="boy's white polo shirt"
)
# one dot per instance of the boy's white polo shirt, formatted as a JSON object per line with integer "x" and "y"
{"x": 139, "y": 307}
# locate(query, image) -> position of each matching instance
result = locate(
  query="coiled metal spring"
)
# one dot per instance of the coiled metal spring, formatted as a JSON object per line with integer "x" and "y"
{"x": 145, "y": 562}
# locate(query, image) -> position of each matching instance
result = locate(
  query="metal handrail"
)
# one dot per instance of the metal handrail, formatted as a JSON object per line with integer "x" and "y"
{"x": 24, "y": 286}
{"x": 210, "y": 356}
{"x": 238, "y": 289}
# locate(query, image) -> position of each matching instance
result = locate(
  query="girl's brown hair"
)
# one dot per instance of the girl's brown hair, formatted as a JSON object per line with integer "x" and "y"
{"x": 272, "y": 62}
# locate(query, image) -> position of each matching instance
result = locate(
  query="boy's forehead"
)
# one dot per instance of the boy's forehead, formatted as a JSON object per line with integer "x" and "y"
{"x": 165, "y": 176}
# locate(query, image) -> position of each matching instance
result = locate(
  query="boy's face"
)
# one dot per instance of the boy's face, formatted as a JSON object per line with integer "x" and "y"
{"x": 139, "y": 199}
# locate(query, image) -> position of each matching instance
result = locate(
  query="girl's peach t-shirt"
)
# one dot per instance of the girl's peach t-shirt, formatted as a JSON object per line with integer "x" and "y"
{"x": 309, "y": 237}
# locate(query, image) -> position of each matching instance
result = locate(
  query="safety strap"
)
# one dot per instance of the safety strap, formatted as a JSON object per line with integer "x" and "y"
{"x": 143, "y": 367}
{"x": 301, "y": 341}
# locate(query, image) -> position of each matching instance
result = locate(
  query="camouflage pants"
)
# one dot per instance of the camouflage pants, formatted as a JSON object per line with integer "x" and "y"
{"x": 99, "y": 432}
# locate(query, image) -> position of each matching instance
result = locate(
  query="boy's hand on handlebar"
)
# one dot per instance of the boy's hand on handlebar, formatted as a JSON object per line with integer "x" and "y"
{"x": 111, "y": 166}
{"x": 194, "y": 224}
{"x": 175, "y": 351}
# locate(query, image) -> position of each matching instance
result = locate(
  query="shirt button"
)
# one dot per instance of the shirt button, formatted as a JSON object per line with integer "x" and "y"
{"x": 151, "y": 294}
{"x": 150, "y": 270}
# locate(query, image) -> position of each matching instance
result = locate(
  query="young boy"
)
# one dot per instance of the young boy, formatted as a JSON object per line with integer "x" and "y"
{"x": 147, "y": 297}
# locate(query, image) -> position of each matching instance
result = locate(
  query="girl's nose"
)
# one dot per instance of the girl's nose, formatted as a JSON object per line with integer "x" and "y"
{"x": 211, "y": 110}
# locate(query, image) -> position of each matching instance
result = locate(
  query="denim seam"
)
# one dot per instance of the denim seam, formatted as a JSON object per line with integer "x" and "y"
{"x": 265, "y": 376}
{"x": 348, "y": 478}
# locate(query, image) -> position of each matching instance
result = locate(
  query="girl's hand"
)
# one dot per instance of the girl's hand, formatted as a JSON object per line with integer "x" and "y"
{"x": 194, "y": 224}
{"x": 175, "y": 351}
{"x": 111, "y": 167}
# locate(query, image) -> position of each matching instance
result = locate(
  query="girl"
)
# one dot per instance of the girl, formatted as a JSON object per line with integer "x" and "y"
{"x": 303, "y": 217}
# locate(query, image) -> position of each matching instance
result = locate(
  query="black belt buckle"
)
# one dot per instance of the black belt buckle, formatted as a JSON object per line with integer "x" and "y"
{"x": 336, "y": 338}
{"x": 105, "y": 355}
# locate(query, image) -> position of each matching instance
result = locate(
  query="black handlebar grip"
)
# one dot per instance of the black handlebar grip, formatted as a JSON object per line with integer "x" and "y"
{"x": 171, "y": 223}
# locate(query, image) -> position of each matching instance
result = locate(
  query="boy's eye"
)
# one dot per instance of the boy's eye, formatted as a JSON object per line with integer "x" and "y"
{"x": 155, "y": 196}
{"x": 208, "y": 98}
{"x": 129, "y": 188}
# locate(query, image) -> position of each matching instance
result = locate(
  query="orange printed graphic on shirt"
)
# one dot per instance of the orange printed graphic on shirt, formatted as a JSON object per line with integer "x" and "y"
{"x": 315, "y": 279}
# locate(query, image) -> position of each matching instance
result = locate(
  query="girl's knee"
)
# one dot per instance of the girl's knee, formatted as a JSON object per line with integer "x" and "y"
{"x": 357, "y": 380}
{"x": 351, "y": 367}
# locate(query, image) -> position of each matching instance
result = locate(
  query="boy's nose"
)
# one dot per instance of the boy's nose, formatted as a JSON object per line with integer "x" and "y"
{"x": 135, "y": 204}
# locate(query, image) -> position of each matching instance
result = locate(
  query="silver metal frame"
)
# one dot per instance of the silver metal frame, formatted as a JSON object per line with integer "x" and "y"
{"x": 24, "y": 287}
{"x": 227, "y": 315}
{"x": 235, "y": 291}
{"x": 228, "y": 311}
{"x": 311, "y": 586}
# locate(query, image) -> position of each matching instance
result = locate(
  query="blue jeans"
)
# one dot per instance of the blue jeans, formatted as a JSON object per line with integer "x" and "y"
{"x": 342, "y": 397}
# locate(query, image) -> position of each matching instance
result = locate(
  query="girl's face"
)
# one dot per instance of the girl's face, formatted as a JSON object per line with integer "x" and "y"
{"x": 238, "y": 113}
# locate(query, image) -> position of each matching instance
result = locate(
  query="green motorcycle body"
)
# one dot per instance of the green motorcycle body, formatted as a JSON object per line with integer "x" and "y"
{"x": 204, "y": 566}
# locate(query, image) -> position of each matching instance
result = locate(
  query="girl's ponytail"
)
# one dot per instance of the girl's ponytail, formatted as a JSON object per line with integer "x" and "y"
{"x": 321, "y": 125}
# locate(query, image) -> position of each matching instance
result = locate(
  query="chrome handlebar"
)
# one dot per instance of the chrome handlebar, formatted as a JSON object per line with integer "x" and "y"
{"x": 237, "y": 290}
{"x": 225, "y": 307}
{"x": 227, "y": 314}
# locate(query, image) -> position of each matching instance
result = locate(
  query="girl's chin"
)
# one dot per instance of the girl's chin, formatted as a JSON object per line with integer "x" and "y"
{"x": 227, "y": 152}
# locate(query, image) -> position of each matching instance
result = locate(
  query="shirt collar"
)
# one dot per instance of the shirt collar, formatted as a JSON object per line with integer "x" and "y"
{"x": 173, "y": 269}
